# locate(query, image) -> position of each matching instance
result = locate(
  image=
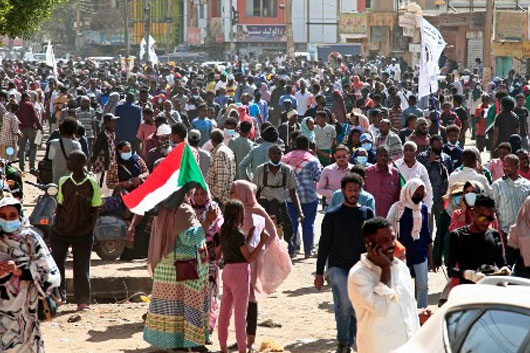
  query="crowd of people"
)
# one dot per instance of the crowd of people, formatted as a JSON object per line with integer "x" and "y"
{"x": 401, "y": 180}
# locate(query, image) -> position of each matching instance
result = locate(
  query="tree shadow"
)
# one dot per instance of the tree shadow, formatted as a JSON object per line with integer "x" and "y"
{"x": 318, "y": 345}
{"x": 116, "y": 332}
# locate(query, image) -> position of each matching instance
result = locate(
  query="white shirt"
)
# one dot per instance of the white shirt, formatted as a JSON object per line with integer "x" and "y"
{"x": 395, "y": 71}
{"x": 469, "y": 174}
{"x": 419, "y": 171}
{"x": 302, "y": 99}
{"x": 324, "y": 136}
{"x": 386, "y": 316}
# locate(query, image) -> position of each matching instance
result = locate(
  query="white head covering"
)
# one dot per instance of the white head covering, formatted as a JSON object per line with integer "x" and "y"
{"x": 405, "y": 201}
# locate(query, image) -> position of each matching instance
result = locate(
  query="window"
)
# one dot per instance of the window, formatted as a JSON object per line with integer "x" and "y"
{"x": 368, "y": 4}
{"x": 495, "y": 331}
{"x": 262, "y": 8}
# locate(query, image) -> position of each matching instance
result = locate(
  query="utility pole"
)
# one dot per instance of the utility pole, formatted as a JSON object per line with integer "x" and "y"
{"x": 487, "y": 37}
{"x": 147, "y": 17}
{"x": 289, "y": 27}
{"x": 308, "y": 15}
{"x": 126, "y": 28}
{"x": 78, "y": 27}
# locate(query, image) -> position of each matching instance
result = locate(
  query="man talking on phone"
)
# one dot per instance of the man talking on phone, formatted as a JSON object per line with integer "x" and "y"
{"x": 341, "y": 245}
{"x": 439, "y": 166}
{"x": 380, "y": 289}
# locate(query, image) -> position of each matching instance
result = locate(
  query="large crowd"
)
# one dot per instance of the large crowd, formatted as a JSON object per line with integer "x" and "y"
{"x": 402, "y": 180}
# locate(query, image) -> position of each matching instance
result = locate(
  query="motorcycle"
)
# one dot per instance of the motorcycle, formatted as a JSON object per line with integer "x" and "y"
{"x": 110, "y": 230}
{"x": 43, "y": 213}
{"x": 13, "y": 178}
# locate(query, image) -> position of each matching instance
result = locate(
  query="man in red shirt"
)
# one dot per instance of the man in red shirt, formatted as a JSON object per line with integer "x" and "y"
{"x": 29, "y": 124}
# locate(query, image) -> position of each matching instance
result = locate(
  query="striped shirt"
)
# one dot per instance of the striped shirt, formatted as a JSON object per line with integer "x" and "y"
{"x": 509, "y": 195}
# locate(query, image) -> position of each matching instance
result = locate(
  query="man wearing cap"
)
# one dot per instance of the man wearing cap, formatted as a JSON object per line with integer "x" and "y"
{"x": 130, "y": 116}
{"x": 420, "y": 136}
{"x": 102, "y": 152}
{"x": 288, "y": 127}
{"x": 222, "y": 171}
{"x": 163, "y": 133}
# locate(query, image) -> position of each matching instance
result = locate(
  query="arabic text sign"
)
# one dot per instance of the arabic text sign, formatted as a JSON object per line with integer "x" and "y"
{"x": 261, "y": 33}
{"x": 353, "y": 23}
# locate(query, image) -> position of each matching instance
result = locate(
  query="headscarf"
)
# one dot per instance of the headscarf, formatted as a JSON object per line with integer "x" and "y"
{"x": 110, "y": 107}
{"x": 242, "y": 110}
{"x": 339, "y": 107}
{"x": 405, "y": 201}
{"x": 298, "y": 159}
{"x": 246, "y": 193}
{"x": 310, "y": 134}
{"x": 519, "y": 235}
{"x": 200, "y": 211}
{"x": 167, "y": 226}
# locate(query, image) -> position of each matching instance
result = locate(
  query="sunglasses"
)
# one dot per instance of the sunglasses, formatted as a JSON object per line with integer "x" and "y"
{"x": 482, "y": 218}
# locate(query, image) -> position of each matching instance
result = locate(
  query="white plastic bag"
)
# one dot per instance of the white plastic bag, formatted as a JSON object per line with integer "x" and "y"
{"x": 274, "y": 266}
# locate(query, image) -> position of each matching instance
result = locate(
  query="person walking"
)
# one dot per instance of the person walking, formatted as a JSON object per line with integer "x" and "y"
{"x": 340, "y": 247}
{"x": 410, "y": 218}
{"x": 29, "y": 125}
{"x": 222, "y": 171}
{"x": 60, "y": 148}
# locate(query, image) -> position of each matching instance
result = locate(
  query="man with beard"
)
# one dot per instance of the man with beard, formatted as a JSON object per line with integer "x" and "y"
{"x": 341, "y": 246}
{"x": 420, "y": 136}
{"x": 373, "y": 286}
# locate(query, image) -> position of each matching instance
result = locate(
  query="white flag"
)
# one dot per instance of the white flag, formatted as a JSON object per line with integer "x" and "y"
{"x": 50, "y": 58}
{"x": 153, "y": 58}
{"x": 142, "y": 50}
{"x": 432, "y": 45}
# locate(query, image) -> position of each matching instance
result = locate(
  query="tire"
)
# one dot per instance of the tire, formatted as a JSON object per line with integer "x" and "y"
{"x": 109, "y": 249}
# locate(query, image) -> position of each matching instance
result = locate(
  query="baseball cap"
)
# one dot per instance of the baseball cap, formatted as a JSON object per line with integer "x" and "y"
{"x": 526, "y": 88}
{"x": 163, "y": 129}
{"x": 194, "y": 135}
{"x": 291, "y": 113}
{"x": 366, "y": 137}
{"x": 110, "y": 116}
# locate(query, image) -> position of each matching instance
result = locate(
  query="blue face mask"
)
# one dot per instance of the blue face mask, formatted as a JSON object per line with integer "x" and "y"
{"x": 9, "y": 226}
{"x": 362, "y": 159}
{"x": 470, "y": 199}
{"x": 230, "y": 132}
{"x": 457, "y": 199}
{"x": 367, "y": 146}
{"x": 275, "y": 164}
{"x": 126, "y": 155}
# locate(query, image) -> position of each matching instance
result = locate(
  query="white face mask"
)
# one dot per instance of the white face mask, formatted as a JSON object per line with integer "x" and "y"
{"x": 470, "y": 198}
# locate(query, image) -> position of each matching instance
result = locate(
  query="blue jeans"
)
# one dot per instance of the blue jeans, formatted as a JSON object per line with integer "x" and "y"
{"x": 308, "y": 225}
{"x": 344, "y": 314}
{"x": 422, "y": 283}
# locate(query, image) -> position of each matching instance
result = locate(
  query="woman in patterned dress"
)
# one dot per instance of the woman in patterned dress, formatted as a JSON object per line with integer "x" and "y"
{"x": 205, "y": 208}
{"x": 26, "y": 275}
{"x": 178, "y": 315}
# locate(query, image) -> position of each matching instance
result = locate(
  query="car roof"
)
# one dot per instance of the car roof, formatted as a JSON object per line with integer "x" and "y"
{"x": 466, "y": 294}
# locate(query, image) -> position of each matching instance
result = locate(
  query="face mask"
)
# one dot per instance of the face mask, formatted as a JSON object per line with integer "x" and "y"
{"x": 9, "y": 226}
{"x": 230, "y": 132}
{"x": 275, "y": 164}
{"x": 470, "y": 198}
{"x": 362, "y": 160}
{"x": 126, "y": 155}
{"x": 367, "y": 146}
{"x": 457, "y": 199}
{"x": 416, "y": 199}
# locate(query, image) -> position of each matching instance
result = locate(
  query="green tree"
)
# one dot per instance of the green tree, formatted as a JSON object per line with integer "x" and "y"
{"x": 60, "y": 26}
{"x": 22, "y": 18}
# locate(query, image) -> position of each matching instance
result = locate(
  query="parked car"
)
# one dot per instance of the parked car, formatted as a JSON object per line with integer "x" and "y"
{"x": 492, "y": 316}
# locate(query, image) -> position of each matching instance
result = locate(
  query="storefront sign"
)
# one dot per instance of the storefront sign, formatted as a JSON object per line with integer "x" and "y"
{"x": 508, "y": 49}
{"x": 378, "y": 34}
{"x": 194, "y": 36}
{"x": 353, "y": 23}
{"x": 510, "y": 25}
{"x": 408, "y": 23}
{"x": 261, "y": 33}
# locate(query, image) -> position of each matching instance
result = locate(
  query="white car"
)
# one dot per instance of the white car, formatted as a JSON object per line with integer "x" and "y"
{"x": 492, "y": 316}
